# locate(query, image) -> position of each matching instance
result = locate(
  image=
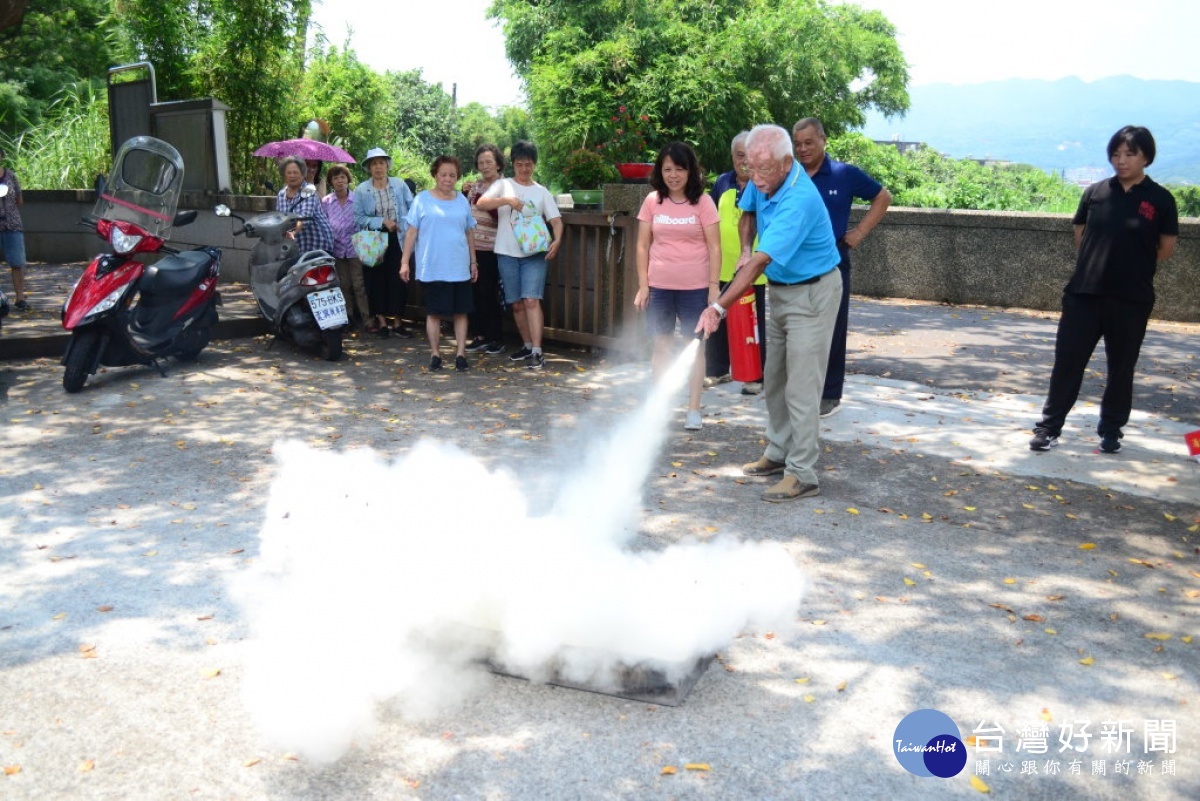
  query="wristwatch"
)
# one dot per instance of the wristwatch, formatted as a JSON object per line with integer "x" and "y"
{"x": 719, "y": 309}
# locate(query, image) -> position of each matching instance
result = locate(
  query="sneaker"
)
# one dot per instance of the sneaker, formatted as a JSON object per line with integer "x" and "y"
{"x": 763, "y": 467}
{"x": 477, "y": 344}
{"x": 713, "y": 380}
{"x": 694, "y": 421}
{"x": 830, "y": 407}
{"x": 521, "y": 355}
{"x": 1043, "y": 440}
{"x": 22, "y": 306}
{"x": 1110, "y": 442}
{"x": 403, "y": 331}
{"x": 495, "y": 348}
{"x": 537, "y": 361}
{"x": 752, "y": 388}
{"x": 460, "y": 364}
{"x": 788, "y": 489}
{"x": 435, "y": 363}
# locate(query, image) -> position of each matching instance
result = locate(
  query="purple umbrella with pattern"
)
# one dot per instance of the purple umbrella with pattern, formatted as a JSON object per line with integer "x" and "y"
{"x": 307, "y": 149}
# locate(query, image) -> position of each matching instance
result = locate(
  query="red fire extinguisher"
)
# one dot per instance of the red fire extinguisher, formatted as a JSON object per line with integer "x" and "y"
{"x": 741, "y": 324}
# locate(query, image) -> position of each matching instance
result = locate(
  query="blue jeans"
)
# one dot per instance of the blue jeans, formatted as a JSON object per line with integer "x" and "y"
{"x": 13, "y": 245}
{"x": 523, "y": 276}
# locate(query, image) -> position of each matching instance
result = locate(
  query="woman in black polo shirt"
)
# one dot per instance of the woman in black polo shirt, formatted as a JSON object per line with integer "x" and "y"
{"x": 1123, "y": 228}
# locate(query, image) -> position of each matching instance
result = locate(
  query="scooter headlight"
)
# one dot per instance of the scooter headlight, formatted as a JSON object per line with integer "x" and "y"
{"x": 122, "y": 242}
{"x": 112, "y": 299}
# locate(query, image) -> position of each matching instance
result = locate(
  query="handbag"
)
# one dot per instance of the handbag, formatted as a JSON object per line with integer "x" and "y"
{"x": 530, "y": 230}
{"x": 369, "y": 246}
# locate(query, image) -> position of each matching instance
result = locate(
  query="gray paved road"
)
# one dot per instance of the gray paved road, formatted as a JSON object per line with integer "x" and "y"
{"x": 945, "y": 558}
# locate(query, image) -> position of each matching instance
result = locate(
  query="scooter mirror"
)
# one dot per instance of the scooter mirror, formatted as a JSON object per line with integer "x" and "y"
{"x": 222, "y": 210}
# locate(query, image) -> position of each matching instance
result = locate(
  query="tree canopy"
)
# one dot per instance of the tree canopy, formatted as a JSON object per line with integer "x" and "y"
{"x": 700, "y": 70}
{"x": 59, "y": 43}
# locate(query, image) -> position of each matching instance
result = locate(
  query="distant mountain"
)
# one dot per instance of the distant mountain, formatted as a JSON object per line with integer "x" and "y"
{"x": 1055, "y": 125}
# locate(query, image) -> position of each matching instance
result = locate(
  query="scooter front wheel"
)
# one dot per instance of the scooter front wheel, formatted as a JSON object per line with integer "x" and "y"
{"x": 85, "y": 348}
{"x": 331, "y": 346}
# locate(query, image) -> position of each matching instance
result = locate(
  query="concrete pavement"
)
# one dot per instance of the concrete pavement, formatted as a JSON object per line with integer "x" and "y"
{"x": 952, "y": 569}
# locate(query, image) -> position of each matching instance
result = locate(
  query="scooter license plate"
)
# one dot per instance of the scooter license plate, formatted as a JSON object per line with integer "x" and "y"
{"x": 329, "y": 307}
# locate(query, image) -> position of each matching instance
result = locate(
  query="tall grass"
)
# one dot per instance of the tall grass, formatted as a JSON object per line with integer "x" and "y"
{"x": 69, "y": 148}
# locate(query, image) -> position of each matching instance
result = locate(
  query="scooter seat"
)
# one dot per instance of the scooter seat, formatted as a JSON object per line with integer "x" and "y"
{"x": 179, "y": 272}
{"x": 286, "y": 265}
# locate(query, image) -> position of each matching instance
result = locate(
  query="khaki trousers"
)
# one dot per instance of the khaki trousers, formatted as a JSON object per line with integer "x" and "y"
{"x": 799, "y": 329}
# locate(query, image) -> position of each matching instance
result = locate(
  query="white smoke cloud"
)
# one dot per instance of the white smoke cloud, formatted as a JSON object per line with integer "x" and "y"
{"x": 382, "y": 582}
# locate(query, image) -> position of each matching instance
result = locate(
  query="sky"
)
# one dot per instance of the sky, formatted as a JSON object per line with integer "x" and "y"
{"x": 944, "y": 41}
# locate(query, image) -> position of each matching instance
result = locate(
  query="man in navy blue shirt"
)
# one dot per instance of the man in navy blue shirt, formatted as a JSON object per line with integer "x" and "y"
{"x": 839, "y": 183}
{"x": 797, "y": 251}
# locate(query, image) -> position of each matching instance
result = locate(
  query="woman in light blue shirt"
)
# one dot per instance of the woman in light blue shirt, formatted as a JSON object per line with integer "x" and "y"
{"x": 381, "y": 204}
{"x": 439, "y": 232}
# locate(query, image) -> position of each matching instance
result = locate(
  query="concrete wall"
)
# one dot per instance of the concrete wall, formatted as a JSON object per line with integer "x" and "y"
{"x": 1015, "y": 259}
{"x": 53, "y": 233}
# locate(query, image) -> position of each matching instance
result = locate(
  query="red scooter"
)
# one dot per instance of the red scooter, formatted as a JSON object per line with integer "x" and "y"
{"x": 123, "y": 311}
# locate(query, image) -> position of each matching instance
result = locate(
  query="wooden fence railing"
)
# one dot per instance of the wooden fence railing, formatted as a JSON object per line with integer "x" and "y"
{"x": 591, "y": 284}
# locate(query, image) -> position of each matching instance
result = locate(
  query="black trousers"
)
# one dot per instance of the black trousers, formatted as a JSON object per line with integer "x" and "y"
{"x": 1086, "y": 319}
{"x": 387, "y": 295}
{"x": 487, "y": 320}
{"x": 716, "y": 348}
{"x": 835, "y": 373}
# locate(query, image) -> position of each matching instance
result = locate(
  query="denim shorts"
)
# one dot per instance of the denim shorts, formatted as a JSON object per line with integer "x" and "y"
{"x": 523, "y": 276}
{"x": 668, "y": 305}
{"x": 13, "y": 245}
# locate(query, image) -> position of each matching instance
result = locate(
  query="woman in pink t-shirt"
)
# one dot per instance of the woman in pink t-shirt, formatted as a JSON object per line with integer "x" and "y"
{"x": 678, "y": 259}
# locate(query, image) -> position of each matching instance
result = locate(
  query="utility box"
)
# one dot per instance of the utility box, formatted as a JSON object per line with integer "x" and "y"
{"x": 196, "y": 128}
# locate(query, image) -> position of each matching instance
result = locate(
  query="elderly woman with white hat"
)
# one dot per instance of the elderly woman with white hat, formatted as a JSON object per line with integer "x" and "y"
{"x": 381, "y": 204}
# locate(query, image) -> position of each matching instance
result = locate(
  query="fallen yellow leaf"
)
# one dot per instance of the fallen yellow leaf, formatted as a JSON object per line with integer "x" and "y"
{"x": 1088, "y": 661}
{"x": 1170, "y": 518}
{"x": 803, "y": 680}
{"x": 818, "y": 622}
{"x": 104, "y": 608}
{"x": 970, "y": 740}
{"x": 1029, "y": 506}
{"x": 980, "y": 785}
{"x": 1157, "y": 635}
{"x": 969, "y": 508}
{"x": 249, "y": 763}
{"x": 909, "y": 582}
{"x": 841, "y": 686}
{"x": 86, "y": 765}
{"x": 1187, "y": 638}
{"x": 1010, "y": 581}
{"x": 60, "y": 616}
{"x": 1046, "y": 714}
{"x": 12, "y": 770}
{"x": 1050, "y": 631}
{"x": 852, "y": 511}
{"x": 1087, "y": 546}
{"x": 697, "y": 766}
{"x": 211, "y": 673}
{"x": 808, "y": 699}
{"x": 926, "y": 516}
{"x": 917, "y": 565}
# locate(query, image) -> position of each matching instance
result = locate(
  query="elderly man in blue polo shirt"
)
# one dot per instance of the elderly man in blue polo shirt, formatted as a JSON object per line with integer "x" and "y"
{"x": 839, "y": 183}
{"x": 797, "y": 250}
